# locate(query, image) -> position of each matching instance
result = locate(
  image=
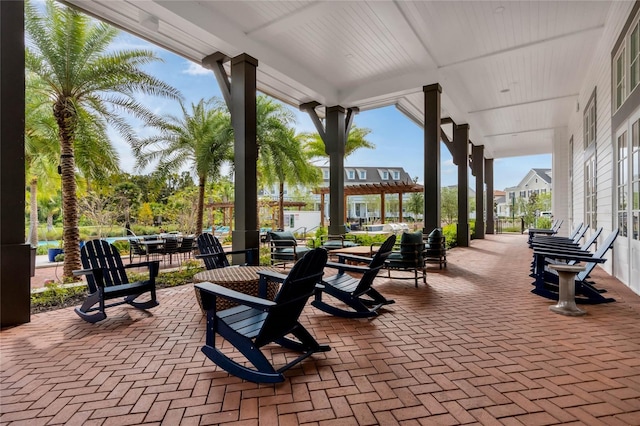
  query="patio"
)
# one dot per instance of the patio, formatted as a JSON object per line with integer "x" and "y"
{"x": 473, "y": 346}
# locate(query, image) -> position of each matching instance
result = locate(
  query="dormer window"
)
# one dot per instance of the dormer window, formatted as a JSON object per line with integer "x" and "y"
{"x": 385, "y": 175}
{"x": 325, "y": 174}
{"x": 351, "y": 174}
{"x": 363, "y": 174}
{"x": 396, "y": 175}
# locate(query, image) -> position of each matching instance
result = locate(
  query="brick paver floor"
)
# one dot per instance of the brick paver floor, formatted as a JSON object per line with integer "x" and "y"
{"x": 473, "y": 346}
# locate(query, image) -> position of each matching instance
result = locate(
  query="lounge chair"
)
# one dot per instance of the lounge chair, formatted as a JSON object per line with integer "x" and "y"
{"x": 546, "y": 280}
{"x": 284, "y": 248}
{"x": 258, "y": 322}
{"x": 107, "y": 279}
{"x": 410, "y": 256}
{"x": 214, "y": 256}
{"x": 357, "y": 293}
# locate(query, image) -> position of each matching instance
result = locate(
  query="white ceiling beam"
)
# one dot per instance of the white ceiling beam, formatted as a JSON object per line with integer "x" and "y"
{"x": 519, "y": 104}
{"x": 394, "y": 19}
{"x": 307, "y": 13}
{"x": 219, "y": 26}
{"x": 518, "y": 132}
{"x": 396, "y": 86}
{"x": 576, "y": 36}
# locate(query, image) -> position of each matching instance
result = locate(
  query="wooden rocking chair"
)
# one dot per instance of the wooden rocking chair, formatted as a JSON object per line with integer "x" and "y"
{"x": 258, "y": 322}
{"x": 107, "y": 279}
{"x": 357, "y": 293}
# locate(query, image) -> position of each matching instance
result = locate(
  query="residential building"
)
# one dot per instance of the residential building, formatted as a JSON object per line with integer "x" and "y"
{"x": 536, "y": 181}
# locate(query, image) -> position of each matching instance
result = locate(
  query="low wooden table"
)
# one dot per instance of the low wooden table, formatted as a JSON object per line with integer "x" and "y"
{"x": 244, "y": 279}
{"x": 357, "y": 250}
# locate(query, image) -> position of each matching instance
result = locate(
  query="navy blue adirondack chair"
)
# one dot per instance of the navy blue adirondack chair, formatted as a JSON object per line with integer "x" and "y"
{"x": 258, "y": 322}
{"x": 107, "y": 280}
{"x": 546, "y": 281}
{"x": 214, "y": 256}
{"x": 357, "y": 293}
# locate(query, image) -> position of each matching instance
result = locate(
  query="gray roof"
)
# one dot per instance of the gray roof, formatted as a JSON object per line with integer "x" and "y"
{"x": 372, "y": 175}
{"x": 544, "y": 174}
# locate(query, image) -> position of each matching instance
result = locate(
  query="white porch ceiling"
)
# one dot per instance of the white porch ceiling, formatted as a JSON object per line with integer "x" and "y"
{"x": 510, "y": 69}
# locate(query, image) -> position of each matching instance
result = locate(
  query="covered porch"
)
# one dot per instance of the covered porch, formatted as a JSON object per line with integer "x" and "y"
{"x": 472, "y": 346}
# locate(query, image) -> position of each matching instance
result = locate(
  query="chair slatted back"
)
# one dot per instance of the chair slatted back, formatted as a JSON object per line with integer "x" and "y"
{"x": 294, "y": 293}
{"x": 99, "y": 254}
{"x": 209, "y": 244}
{"x": 575, "y": 231}
{"x": 602, "y": 250}
{"x": 186, "y": 245}
{"x": 377, "y": 262}
{"x": 171, "y": 245}
{"x": 137, "y": 248}
{"x": 592, "y": 239}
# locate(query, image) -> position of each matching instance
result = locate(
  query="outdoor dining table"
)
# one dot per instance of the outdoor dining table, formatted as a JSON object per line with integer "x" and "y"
{"x": 151, "y": 244}
{"x": 244, "y": 279}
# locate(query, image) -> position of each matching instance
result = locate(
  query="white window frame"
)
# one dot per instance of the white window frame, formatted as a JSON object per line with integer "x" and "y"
{"x": 622, "y": 180}
{"x": 363, "y": 174}
{"x": 385, "y": 175}
{"x": 351, "y": 174}
{"x": 590, "y": 192}
{"x": 396, "y": 175}
{"x": 325, "y": 174}
{"x": 626, "y": 65}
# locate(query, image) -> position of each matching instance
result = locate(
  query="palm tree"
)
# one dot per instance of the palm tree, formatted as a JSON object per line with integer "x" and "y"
{"x": 41, "y": 155}
{"x": 285, "y": 161}
{"x": 202, "y": 138}
{"x": 282, "y": 157}
{"x": 84, "y": 79}
{"x": 356, "y": 140}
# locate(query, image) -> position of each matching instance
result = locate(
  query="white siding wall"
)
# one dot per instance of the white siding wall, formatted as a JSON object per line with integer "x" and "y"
{"x": 598, "y": 76}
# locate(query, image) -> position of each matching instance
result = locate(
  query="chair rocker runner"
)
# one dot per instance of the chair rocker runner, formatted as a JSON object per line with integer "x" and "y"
{"x": 357, "y": 293}
{"x": 107, "y": 279}
{"x": 258, "y": 322}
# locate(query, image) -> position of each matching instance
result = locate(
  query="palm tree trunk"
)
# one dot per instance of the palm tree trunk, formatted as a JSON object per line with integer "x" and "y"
{"x": 33, "y": 214}
{"x": 65, "y": 114}
{"x": 201, "y": 184}
{"x": 281, "y": 206}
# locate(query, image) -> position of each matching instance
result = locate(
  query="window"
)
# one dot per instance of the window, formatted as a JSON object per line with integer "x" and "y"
{"x": 396, "y": 175}
{"x": 620, "y": 78}
{"x": 325, "y": 174}
{"x": 589, "y": 122}
{"x": 626, "y": 64}
{"x": 363, "y": 174}
{"x": 570, "y": 199}
{"x": 622, "y": 181}
{"x": 590, "y": 202}
{"x": 634, "y": 53}
{"x": 351, "y": 174}
{"x": 635, "y": 177}
{"x": 385, "y": 175}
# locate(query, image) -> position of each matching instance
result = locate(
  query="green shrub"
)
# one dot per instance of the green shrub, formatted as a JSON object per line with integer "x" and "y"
{"x": 450, "y": 233}
{"x": 122, "y": 246}
{"x": 59, "y": 257}
{"x": 56, "y": 295}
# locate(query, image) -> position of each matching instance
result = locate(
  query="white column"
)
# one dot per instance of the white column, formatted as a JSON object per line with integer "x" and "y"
{"x": 560, "y": 179}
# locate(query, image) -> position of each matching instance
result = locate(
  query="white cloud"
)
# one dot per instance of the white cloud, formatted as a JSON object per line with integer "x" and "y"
{"x": 195, "y": 69}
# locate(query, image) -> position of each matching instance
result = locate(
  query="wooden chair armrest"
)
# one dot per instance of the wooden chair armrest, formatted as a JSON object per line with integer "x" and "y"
{"x": 570, "y": 256}
{"x": 235, "y": 296}
{"x": 272, "y": 276}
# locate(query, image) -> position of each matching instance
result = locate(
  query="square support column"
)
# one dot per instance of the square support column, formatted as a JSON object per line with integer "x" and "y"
{"x": 560, "y": 168}
{"x": 478, "y": 169}
{"x": 488, "y": 177}
{"x": 461, "y": 152}
{"x": 334, "y": 141}
{"x": 432, "y": 157}
{"x": 244, "y": 121}
{"x": 15, "y": 280}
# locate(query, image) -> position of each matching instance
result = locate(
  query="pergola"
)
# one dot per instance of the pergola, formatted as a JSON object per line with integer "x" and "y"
{"x": 380, "y": 189}
{"x": 228, "y": 206}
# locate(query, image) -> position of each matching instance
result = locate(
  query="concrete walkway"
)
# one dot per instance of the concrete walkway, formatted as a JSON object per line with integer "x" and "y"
{"x": 473, "y": 346}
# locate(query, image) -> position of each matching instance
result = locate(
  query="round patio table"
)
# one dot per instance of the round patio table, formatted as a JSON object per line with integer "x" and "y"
{"x": 244, "y": 279}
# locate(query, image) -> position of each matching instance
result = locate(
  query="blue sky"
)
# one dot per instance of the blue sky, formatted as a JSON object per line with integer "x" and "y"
{"x": 399, "y": 141}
